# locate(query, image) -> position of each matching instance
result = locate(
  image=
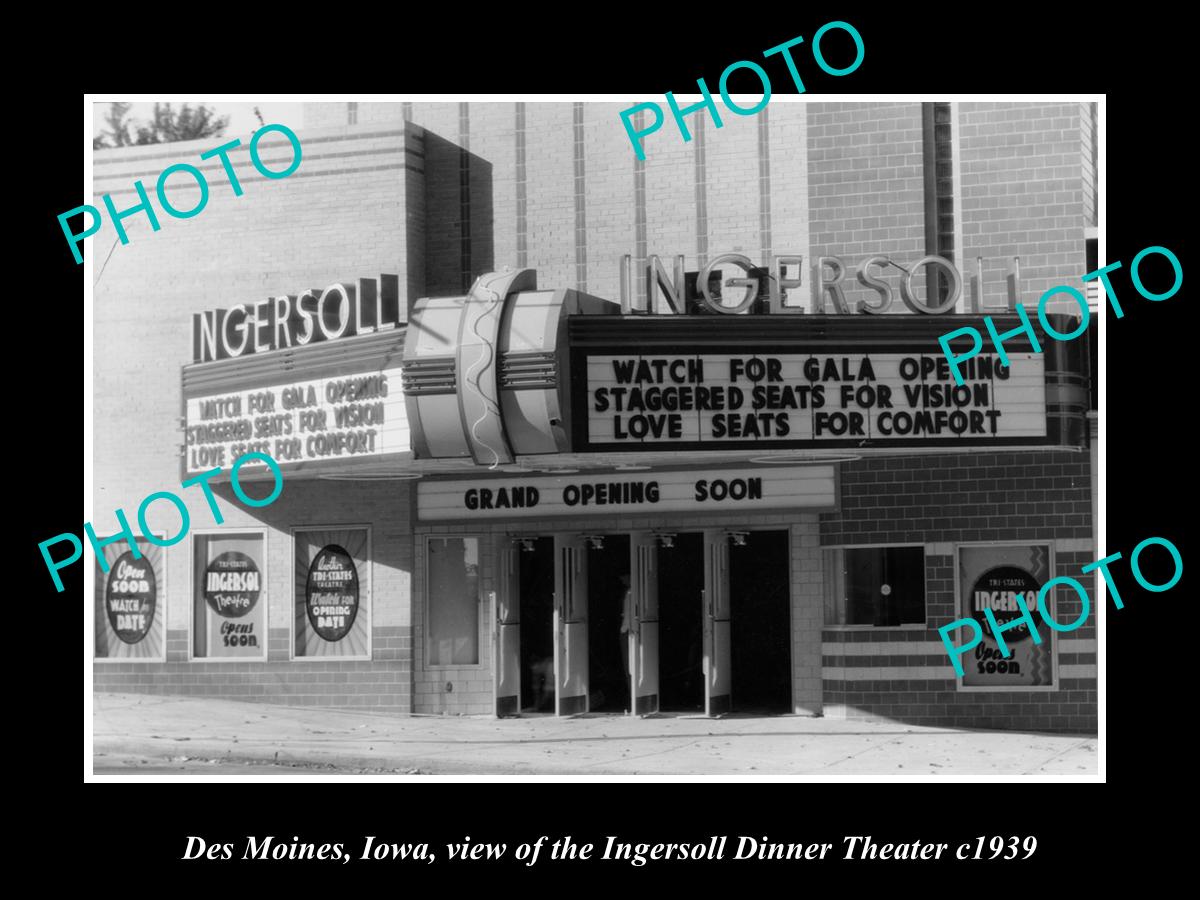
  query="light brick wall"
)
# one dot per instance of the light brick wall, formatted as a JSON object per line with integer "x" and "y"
{"x": 866, "y": 188}
{"x": 788, "y": 144}
{"x": 1023, "y": 193}
{"x": 549, "y": 162}
{"x": 731, "y": 157}
{"x": 608, "y": 158}
{"x": 671, "y": 192}
{"x": 731, "y": 192}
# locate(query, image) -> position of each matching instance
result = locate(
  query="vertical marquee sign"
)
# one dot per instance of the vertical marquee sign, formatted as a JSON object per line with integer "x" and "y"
{"x": 131, "y": 603}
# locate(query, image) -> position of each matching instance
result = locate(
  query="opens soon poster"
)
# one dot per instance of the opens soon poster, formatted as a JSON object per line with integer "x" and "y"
{"x": 992, "y": 577}
{"x": 230, "y": 597}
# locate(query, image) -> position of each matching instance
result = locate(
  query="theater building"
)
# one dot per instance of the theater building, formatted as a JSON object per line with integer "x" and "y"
{"x": 566, "y": 432}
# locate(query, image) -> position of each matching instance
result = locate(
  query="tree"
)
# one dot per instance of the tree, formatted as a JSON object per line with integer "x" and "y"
{"x": 167, "y": 125}
{"x": 118, "y": 129}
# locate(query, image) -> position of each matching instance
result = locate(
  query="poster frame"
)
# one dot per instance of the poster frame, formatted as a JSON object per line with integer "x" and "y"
{"x": 1047, "y": 634}
{"x": 160, "y": 608}
{"x": 370, "y": 583}
{"x": 191, "y": 610}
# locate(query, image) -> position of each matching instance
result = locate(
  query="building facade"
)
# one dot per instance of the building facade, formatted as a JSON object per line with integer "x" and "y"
{"x": 529, "y": 466}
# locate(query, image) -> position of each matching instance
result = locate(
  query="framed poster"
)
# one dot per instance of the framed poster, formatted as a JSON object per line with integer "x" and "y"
{"x": 131, "y": 601}
{"x": 229, "y": 596}
{"x": 332, "y": 593}
{"x": 991, "y": 576}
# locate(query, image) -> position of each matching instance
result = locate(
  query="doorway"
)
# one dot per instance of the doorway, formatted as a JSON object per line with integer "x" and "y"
{"x": 759, "y": 592}
{"x": 681, "y": 629}
{"x": 535, "y": 560}
{"x": 608, "y": 580}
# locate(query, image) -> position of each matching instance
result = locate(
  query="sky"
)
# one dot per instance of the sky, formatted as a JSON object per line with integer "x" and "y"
{"x": 241, "y": 115}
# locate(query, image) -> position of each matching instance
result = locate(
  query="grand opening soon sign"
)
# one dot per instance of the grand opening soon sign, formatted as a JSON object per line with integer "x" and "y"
{"x": 803, "y": 399}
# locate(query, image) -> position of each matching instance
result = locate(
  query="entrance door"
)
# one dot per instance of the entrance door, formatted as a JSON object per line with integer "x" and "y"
{"x": 643, "y": 639}
{"x": 760, "y": 599}
{"x": 681, "y": 615}
{"x": 570, "y": 625}
{"x": 717, "y": 643}
{"x": 506, "y": 613}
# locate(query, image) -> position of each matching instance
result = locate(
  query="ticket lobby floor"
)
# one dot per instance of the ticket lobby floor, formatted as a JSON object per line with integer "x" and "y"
{"x": 167, "y": 735}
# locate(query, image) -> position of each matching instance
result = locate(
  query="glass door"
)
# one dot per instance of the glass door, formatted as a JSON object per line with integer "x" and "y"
{"x": 643, "y": 638}
{"x": 506, "y": 614}
{"x": 570, "y": 624}
{"x": 717, "y": 636}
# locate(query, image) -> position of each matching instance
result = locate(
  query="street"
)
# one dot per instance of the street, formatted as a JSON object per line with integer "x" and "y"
{"x": 162, "y": 735}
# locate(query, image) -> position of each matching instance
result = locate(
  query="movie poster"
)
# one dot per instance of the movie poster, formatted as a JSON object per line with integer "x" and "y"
{"x": 131, "y": 603}
{"x": 992, "y": 577}
{"x": 230, "y": 596}
{"x": 332, "y": 593}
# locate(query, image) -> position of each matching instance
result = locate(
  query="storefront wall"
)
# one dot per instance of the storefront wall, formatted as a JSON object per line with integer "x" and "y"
{"x": 468, "y": 690}
{"x": 942, "y": 501}
{"x": 381, "y": 682}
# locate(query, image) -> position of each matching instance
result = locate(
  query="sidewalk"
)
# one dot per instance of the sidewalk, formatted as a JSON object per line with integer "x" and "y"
{"x": 163, "y": 734}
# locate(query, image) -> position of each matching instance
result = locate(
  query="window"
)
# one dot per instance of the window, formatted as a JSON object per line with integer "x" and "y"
{"x": 452, "y": 573}
{"x": 881, "y": 586}
{"x": 332, "y": 594}
{"x": 229, "y": 598}
{"x": 352, "y": 113}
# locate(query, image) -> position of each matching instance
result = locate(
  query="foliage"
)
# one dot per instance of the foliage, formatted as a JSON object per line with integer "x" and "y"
{"x": 166, "y": 126}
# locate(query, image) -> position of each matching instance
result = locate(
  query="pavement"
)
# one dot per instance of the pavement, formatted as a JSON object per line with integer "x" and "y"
{"x": 142, "y": 734}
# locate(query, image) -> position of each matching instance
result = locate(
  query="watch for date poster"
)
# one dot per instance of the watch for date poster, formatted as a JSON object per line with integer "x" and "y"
{"x": 332, "y": 593}
{"x": 130, "y": 603}
{"x": 992, "y": 576}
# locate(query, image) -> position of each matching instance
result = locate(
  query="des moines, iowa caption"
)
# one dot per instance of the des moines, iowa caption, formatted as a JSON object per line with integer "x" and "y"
{"x": 716, "y": 847}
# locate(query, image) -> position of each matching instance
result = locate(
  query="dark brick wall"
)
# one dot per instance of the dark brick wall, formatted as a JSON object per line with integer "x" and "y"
{"x": 939, "y": 501}
{"x": 963, "y": 497}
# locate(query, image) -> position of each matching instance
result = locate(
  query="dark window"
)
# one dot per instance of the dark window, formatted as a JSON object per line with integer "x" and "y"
{"x": 875, "y": 586}
{"x": 352, "y": 113}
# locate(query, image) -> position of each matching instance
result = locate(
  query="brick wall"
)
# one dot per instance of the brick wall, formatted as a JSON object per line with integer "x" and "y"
{"x": 608, "y": 160}
{"x": 1023, "y": 193}
{"x": 787, "y": 171}
{"x": 1087, "y": 119}
{"x": 866, "y": 188}
{"x": 904, "y": 673}
{"x": 842, "y": 179}
{"x": 749, "y": 196}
